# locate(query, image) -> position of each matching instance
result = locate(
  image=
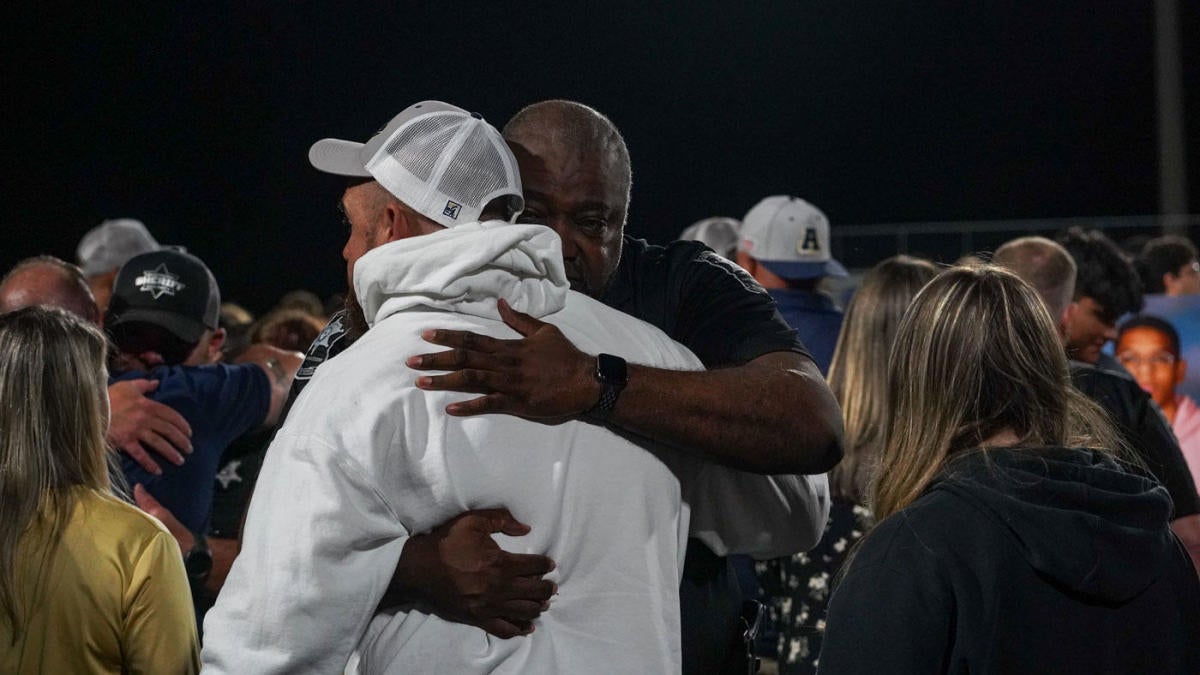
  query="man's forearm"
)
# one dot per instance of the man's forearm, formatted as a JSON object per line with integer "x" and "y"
{"x": 280, "y": 367}
{"x": 774, "y": 415}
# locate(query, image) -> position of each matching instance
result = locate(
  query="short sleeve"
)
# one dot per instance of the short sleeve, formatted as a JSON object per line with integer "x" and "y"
{"x": 725, "y": 316}
{"x": 159, "y": 632}
{"x": 707, "y": 303}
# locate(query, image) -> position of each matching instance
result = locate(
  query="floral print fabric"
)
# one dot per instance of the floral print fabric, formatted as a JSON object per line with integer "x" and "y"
{"x": 797, "y": 589}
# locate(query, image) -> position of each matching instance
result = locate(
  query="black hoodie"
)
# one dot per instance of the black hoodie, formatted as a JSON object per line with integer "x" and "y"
{"x": 1021, "y": 561}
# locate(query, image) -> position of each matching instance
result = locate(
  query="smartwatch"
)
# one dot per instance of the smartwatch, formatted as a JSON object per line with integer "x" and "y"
{"x": 612, "y": 373}
{"x": 198, "y": 561}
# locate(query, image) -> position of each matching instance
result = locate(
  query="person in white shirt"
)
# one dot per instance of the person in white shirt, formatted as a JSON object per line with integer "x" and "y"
{"x": 366, "y": 458}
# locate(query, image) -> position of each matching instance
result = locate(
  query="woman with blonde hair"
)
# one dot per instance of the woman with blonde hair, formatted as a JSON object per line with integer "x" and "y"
{"x": 1011, "y": 539}
{"x": 798, "y": 587}
{"x": 88, "y": 584}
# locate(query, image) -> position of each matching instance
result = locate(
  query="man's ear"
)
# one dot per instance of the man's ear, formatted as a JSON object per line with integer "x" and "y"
{"x": 1180, "y": 371}
{"x": 1170, "y": 282}
{"x": 1064, "y": 321}
{"x": 396, "y": 223}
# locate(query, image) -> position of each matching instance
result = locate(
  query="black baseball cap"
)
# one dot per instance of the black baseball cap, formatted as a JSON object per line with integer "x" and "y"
{"x": 169, "y": 288}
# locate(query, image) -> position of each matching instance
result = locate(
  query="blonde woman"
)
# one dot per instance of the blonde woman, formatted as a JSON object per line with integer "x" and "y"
{"x": 798, "y": 587}
{"x": 1010, "y": 538}
{"x": 88, "y": 584}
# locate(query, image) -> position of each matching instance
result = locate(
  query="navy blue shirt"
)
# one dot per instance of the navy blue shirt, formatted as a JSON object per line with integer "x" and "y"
{"x": 220, "y": 402}
{"x": 816, "y": 319}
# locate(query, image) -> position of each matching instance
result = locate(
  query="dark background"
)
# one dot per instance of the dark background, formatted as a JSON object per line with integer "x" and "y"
{"x": 196, "y": 118}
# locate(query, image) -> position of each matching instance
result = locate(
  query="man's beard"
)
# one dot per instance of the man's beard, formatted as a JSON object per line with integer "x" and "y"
{"x": 356, "y": 320}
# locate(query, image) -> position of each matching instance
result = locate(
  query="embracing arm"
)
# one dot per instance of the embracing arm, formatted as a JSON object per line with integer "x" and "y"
{"x": 772, "y": 415}
{"x": 458, "y": 572}
{"x": 137, "y": 421}
{"x": 280, "y": 367}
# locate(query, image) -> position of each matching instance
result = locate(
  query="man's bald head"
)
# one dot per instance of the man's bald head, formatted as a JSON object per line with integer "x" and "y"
{"x": 46, "y": 280}
{"x": 1044, "y": 265}
{"x": 569, "y": 124}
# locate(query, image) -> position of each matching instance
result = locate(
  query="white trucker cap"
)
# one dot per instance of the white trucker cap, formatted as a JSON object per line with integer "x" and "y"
{"x": 442, "y": 161}
{"x": 791, "y": 238}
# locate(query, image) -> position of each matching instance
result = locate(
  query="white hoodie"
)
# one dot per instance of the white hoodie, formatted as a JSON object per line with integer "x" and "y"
{"x": 365, "y": 459}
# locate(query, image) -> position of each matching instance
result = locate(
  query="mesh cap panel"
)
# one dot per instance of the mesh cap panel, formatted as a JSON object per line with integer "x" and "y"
{"x": 418, "y": 146}
{"x": 476, "y": 172}
{"x": 445, "y": 164}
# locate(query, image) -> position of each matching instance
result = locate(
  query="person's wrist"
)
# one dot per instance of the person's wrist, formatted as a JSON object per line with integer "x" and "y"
{"x": 611, "y": 374}
{"x": 406, "y": 583}
{"x": 197, "y": 561}
{"x": 592, "y": 388}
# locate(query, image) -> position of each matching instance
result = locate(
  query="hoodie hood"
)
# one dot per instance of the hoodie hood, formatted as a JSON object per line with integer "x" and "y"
{"x": 465, "y": 269}
{"x": 1078, "y": 517}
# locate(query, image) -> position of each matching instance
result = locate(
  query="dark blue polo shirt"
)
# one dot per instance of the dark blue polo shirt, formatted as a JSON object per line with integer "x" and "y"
{"x": 816, "y": 319}
{"x": 220, "y": 402}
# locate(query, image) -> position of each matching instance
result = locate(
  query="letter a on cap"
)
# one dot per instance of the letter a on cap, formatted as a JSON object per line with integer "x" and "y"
{"x": 810, "y": 241}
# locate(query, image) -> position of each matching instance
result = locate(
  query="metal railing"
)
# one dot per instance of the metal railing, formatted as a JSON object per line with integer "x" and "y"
{"x": 861, "y": 246}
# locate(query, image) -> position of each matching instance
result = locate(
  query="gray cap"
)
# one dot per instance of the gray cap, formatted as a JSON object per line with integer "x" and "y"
{"x": 109, "y": 245}
{"x": 718, "y": 233}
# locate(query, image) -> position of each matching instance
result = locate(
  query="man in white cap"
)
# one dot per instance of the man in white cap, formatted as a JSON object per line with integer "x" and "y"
{"x": 106, "y": 247}
{"x": 375, "y": 459}
{"x": 785, "y": 246}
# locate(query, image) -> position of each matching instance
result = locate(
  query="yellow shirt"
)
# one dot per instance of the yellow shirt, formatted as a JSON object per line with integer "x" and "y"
{"x": 113, "y": 599}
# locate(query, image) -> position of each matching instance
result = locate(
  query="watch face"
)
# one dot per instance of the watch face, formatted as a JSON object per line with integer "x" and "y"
{"x": 197, "y": 563}
{"x": 612, "y": 369}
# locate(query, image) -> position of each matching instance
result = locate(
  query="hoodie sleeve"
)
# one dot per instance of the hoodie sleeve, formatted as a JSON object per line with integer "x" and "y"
{"x": 762, "y": 516}
{"x": 320, "y": 545}
{"x": 892, "y": 612}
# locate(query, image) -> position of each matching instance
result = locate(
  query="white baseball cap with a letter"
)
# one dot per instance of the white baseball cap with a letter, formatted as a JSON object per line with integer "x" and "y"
{"x": 790, "y": 237}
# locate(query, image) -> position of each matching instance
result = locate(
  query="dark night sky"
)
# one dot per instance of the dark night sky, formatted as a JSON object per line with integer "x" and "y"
{"x": 197, "y": 118}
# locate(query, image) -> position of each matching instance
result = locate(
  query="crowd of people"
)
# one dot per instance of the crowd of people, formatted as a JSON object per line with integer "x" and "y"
{"x": 525, "y": 441}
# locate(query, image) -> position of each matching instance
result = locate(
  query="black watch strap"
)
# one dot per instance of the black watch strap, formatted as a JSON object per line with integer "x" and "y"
{"x": 612, "y": 373}
{"x": 198, "y": 561}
